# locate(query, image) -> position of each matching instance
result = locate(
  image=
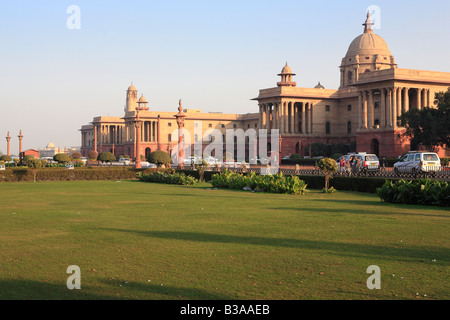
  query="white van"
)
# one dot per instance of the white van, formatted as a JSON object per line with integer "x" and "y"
{"x": 416, "y": 162}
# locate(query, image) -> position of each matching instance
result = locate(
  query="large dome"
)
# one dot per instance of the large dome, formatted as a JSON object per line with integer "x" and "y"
{"x": 368, "y": 44}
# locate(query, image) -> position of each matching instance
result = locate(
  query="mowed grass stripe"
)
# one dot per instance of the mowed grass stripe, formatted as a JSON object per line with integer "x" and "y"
{"x": 137, "y": 240}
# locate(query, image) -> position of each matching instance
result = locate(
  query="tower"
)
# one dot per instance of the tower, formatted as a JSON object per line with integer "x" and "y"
{"x": 367, "y": 52}
{"x": 131, "y": 99}
{"x": 286, "y": 77}
{"x": 8, "y": 140}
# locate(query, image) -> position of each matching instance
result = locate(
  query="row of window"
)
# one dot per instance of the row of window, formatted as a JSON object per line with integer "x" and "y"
{"x": 328, "y": 108}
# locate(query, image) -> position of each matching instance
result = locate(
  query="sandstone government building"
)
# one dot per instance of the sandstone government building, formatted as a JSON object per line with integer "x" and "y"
{"x": 373, "y": 93}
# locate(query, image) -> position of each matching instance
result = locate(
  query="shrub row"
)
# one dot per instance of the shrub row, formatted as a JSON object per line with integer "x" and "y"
{"x": 360, "y": 184}
{"x": 422, "y": 192}
{"x": 168, "y": 177}
{"x": 59, "y": 174}
{"x": 268, "y": 183}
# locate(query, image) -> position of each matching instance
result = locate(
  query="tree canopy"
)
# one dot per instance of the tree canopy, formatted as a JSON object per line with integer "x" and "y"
{"x": 159, "y": 158}
{"x": 106, "y": 157}
{"x": 61, "y": 158}
{"x": 429, "y": 127}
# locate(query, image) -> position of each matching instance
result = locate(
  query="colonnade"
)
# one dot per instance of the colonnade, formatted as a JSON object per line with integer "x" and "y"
{"x": 290, "y": 117}
{"x": 393, "y": 102}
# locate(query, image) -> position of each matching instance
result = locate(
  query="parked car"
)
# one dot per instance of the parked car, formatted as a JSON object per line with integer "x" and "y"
{"x": 125, "y": 161}
{"x": 418, "y": 162}
{"x": 369, "y": 163}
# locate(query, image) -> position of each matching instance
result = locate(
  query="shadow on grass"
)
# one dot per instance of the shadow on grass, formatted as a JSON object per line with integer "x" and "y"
{"x": 421, "y": 254}
{"x": 170, "y": 292}
{"x": 382, "y": 204}
{"x": 362, "y": 211}
{"x": 35, "y": 290}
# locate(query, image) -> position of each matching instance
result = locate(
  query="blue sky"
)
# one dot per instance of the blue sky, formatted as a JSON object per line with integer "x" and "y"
{"x": 215, "y": 55}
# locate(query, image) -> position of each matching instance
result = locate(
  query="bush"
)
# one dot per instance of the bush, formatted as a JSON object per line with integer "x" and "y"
{"x": 106, "y": 157}
{"x": 62, "y": 174}
{"x": 422, "y": 192}
{"x": 5, "y": 158}
{"x": 76, "y": 155}
{"x": 268, "y": 183}
{"x": 92, "y": 155}
{"x": 168, "y": 177}
{"x": 445, "y": 161}
{"x": 61, "y": 158}
{"x": 159, "y": 158}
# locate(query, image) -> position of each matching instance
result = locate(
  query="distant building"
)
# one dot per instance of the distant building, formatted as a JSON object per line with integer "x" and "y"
{"x": 373, "y": 94}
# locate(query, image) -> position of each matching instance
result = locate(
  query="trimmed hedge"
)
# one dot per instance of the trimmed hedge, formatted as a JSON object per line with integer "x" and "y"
{"x": 168, "y": 177}
{"x": 417, "y": 192}
{"x": 60, "y": 174}
{"x": 277, "y": 183}
{"x": 360, "y": 184}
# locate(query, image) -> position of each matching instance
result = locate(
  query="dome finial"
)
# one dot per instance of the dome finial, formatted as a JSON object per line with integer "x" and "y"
{"x": 368, "y": 24}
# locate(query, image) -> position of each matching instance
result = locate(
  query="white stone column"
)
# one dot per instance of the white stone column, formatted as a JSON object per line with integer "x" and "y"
{"x": 406, "y": 100}
{"x": 394, "y": 107}
{"x": 383, "y": 108}
{"x": 286, "y": 117}
{"x": 399, "y": 102}
{"x": 419, "y": 99}
{"x": 371, "y": 108}
{"x": 388, "y": 107}
{"x": 311, "y": 128}
{"x": 364, "y": 109}
{"x": 359, "y": 110}
{"x": 303, "y": 118}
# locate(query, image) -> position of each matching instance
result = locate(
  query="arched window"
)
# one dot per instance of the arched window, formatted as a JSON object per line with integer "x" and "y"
{"x": 328, "y": 128}
{"x": 350, "y": 77}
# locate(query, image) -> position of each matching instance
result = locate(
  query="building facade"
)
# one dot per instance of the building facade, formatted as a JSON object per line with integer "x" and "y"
{"x": 364, "y": 110}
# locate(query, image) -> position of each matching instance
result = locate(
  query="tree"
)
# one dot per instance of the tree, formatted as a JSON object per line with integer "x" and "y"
{"x": 318, "y": 149}
{"x": 27, "y": 158}
{"x": 5, "y": 158}
{"x": 76, "y": 155}
{"x": 61, "y": 158}
{"x": 200, "y": 166}
{"x": 429, "y": 127}
{"x": 328, "y": 167}
{"x": 34, "y": 164}
{"x": 92, "y": 155}
{"x": 159, "y": 158}
{"x": 16, "y": 162}
{"x": 106, "y": 157}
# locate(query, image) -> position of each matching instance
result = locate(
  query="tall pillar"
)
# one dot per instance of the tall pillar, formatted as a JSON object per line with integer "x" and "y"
{"x": 359, "y": 110}
{"x": 292, "y": 117}
{"x": 275, "y": 116}
{"x": 311, "y": 129}
{"x": 286, "y": 117}
{"x": 264, "y": 117}
{"x": 365, "y": 109}
{"x": 267, "y": 117}
{"x": 303, "y": 118}
{"x": 394, "y": 107}
{"x": 296, "y": 118}
{"x": 281, "y": 117}
{"x": 406, "y": 100}
{"x": 419, "y": 99}
{"x": 371, "y": 108}
{"x": 8, "y": 141}
{"x": 95, "y": 137}
{"x": 428, "y": 98}
{"x": 388, "y": 108}
{"x": 399, "y": 102}
{"x": 383, "y": 108}
{"x": 260, "y": 117}
{"x": 20, "y": 144}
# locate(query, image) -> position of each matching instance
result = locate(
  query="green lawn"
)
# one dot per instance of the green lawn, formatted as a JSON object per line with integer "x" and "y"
{"x": 136, "y": 240}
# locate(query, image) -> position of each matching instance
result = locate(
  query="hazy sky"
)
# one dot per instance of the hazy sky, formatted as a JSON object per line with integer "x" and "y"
{"x": 215, "y": 55}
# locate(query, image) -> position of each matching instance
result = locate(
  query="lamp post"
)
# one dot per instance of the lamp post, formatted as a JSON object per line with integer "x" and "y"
{"x": 180, "y": 121}
{"x": 141, "y": 107}
{"x": 8, "y": 140}
{"x": 20, "y": 145}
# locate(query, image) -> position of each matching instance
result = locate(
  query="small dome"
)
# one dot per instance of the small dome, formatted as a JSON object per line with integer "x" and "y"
{"x": 51, "y": 145}
{"x": 132, "y": 87}
{"x": 319, "y": 86}
{"x": 142, "y": 99}
{"x": 286, "y": 70}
